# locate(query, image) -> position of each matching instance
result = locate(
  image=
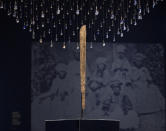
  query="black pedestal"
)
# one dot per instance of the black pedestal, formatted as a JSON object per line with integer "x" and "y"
{"x": 82, "y": 125}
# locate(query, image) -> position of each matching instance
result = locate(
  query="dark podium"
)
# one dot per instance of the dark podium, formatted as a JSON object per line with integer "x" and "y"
{"x": 82, "y": 125}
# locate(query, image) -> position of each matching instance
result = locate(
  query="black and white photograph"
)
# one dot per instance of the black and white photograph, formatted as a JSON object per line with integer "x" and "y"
{"x": 123, "y": 83}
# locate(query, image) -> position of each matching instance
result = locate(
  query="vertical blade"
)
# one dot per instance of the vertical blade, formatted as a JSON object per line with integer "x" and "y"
{"x": 83, "y": 65}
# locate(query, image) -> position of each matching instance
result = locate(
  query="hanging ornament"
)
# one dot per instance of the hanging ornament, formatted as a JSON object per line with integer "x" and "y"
{"x": 61, "y": 33}
{"x": 139, "y": 16}
{"x": 121, "y": 21}
{"x": 77, "y": 46}
{"x": 154, "y": 3}
{"x": 42, "y": 14}
{"x": 135, "y": 22}
{"x": 64, "y": 45}
{"x": 96, "y": 11}
{"x": 114, "y": 39}
{"x": 112, "y": 15}
{"x": 14, "y": 14}
{"x": 91, "y": 45}
{"x": 58, "y": 11}
{"x": 118, "y": 32}
{"x": 58, "y": 18}
{"x": 24, "y": 26}
{"x": 74, "y": 33}
{"x": 98, "y": 31}
{"x": 17, "y": 20}
{"x": 128, "y": 29}
{"x": 124, "y": 27}
{"x": 109, "y": 29}
{"x": 66, "y": 27}
{"x": 30, "y": 28}
{"x": 37, "y": 27}
{"x": 121, "y": 34}
{"x": 103, "y": 43}
{"x": 1, "y": 4}
{"x": 54, "y": 25}
{"x": 15, "y": 6}
{"x": 56, "y": 38}
{"x": 42, "y": 24}
{"x": 135, "y": 2}
{"x": 77, "y": 11}
{"x": 33, "y": 34}
{"x": 107, "y": 35}
{"x": 49, "y": 31}
{"x": 51, "y": 44}
{"x": 41, "y": 40}
{"x": 94, "y": 37}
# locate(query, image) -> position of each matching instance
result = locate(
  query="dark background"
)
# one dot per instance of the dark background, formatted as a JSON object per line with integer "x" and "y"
{"x": 15, "y": 61}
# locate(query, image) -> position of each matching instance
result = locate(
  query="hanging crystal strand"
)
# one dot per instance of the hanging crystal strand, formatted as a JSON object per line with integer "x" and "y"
{"x": 113, "y": 16}
{"x": 33, "y": 34}
{"x": 1, "y": 4}
{"x": 56, "y": 37}
{"x": 139, "y": 11}
{"x": 147, "y": 7}
{"x": 58, "y": 8}
{"x": 77, "y": 42}
{"x": 56, "y": 28}
{"x": 77, "y": 45}
{"x": 114, "y": 38}
{"x": 91, "y": 35}
{"x": 77, "y": 10}
{"x": 64, "y": 33}
{"x": 96, "y": 10}
{"x": 94, "y": 37}
{"x": 107, "y": 30}
{"x": 25, "y": 25}
{"x": 52, "y": 22}
{"x": 64, "y": 45}
{"x": 103, "y": 43}
{"x": 114, "y": 34}
{"x": 43, "y": 15}
{"x": 135, "y": 21}
{"x": 73, "y": 33}
{"x": 51, "y": 43}
{"x": 118, "y": 31}
{"x": 103, "y": 29}
{"x": 91, "y": 45}
{"x": 33, "y": 19}
{"x": 77, "y": 29}
{"x": 41, "y": 40}
{"x": 121, "y": 33}
{"x": 154, "y": 3}
{"x": 122, "y": 26}
{"x": 9, "y": 9}
{"x": 15, "y": 9}
{"x": 56, "y": 21}
{"x": 49, "y": 21}
{"x": 44, "y": 34}
{"x": 15, "y": 5}
{"x": 126, "y": 25}
{"x": 17, "y": 19}
{"x": 61, "y": 32}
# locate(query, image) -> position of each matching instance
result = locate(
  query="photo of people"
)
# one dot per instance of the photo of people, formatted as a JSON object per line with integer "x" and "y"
{"x": 124, "y": 82}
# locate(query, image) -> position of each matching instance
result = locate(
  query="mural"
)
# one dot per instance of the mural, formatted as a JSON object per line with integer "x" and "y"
{"x": 124, "y": 82}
